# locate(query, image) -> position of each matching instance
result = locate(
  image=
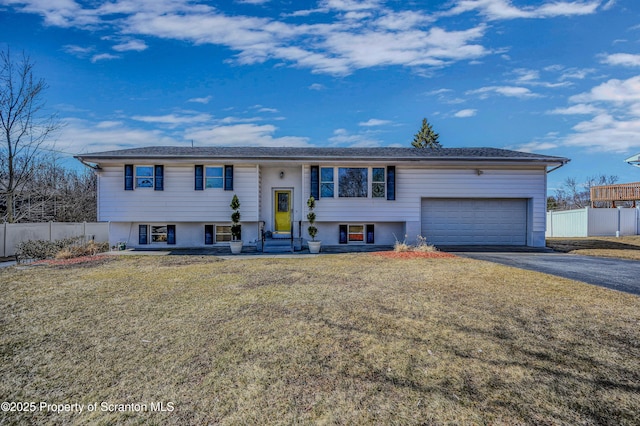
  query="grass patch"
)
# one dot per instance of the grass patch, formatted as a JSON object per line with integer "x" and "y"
{"x": 623, "y": 247}
{"x": 335, "y": 339}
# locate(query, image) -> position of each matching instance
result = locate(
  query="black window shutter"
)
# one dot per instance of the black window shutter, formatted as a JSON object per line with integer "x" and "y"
{"x": 171, "y": 234}
{"x": 370, "y": 234}
{"x": 142, "y": 234}
{"x": 315, "y": 182}
{"x": 158, "y": 174}
{"x": 199, "y": 178}
{"x": 391, "y": 183}
{"x": 343, "y": 234}
{"x": 128, "y": 177}
{"x": 208, "y": 234}
{"x": 228, "y": 178}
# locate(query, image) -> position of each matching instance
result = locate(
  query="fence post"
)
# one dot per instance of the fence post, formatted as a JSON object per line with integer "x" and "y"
{"x": 551, "y": 224}
{"x": 4, "y": 243}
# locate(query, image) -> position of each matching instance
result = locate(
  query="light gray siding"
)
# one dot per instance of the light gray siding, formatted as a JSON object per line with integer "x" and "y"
{"x": 413, "y": 183}
{"x": 179, "y": 202}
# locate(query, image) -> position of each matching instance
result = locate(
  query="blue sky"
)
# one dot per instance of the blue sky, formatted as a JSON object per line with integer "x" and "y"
{"x": 548, "y": 76}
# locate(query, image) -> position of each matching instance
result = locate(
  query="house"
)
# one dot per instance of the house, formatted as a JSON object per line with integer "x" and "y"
{"x": 180, "y": 196}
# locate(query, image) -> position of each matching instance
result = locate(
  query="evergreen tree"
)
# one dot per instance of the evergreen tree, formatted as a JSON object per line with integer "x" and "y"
{"x": 426, "y": 137}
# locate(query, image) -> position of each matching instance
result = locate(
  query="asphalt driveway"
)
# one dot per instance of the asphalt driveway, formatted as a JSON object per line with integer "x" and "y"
{"x": 616, "y": 274}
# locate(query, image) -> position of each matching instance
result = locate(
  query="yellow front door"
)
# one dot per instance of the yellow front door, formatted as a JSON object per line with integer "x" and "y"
{"x": 282, "y": 203}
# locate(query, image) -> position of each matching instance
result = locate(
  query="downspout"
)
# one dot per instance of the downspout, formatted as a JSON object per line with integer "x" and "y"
{"x": 558, "y": 166}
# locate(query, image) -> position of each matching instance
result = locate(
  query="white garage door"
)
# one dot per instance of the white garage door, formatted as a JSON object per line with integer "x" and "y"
{"x": 474, "y": 221}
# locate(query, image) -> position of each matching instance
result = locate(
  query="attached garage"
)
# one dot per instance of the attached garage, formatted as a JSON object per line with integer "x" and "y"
{"x": 474, "y": 221}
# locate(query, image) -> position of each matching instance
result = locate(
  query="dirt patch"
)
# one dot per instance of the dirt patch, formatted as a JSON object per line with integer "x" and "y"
{"x": 412, "y": 254}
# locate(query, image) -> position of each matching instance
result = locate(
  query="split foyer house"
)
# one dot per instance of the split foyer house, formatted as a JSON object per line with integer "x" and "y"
{"x": 180, "y": 196}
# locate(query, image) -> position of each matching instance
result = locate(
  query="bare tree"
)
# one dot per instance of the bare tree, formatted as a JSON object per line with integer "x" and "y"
{"x": 577, "y": 195}
{"x": 24, "y": 125}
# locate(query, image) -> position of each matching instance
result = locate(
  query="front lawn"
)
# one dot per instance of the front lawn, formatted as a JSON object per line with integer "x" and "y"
{"x": 626, "y": 247}
{"x": 336, "y": 339}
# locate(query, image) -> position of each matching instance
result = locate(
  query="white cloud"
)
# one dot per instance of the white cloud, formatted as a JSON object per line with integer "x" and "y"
{"x": 242, "y": 135}
{"x": 339, "y": 45}
{"x": 204, "y": 100}
{"x": 81, "y": 136}
{"x": 374, "y": 122}
{"x": 575, "y": 110}
{"x": 615, "y": 122}
{"x": 612, "y": 91}
{"x": 342, "y": 137}
{"x": 316, "y": 86}
{"x": 103, "y": 57}
{"x": 624, "y": 59}
{"x": 173, "y": 119}
{"x": 135, "y": 45}
{"x": 509, "y": 91}
{"x": 536, "y": 146}
{"x": 464, "y": 113}
{"x": 504, "y": 9}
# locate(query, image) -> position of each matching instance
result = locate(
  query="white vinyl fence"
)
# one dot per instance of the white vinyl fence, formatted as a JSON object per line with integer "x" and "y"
{"x": 12, "y": 234}
{"x": 590, "y": 222}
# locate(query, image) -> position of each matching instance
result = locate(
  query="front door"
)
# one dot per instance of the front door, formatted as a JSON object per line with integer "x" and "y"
{"x": 282, "y": 214}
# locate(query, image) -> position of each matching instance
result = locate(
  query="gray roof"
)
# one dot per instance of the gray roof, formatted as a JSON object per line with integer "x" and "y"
{"x": 321, "y": 154}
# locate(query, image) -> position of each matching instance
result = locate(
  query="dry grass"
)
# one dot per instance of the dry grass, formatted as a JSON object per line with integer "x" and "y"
{"x": 624, "y": 247}
{"x": 336, "y": 339}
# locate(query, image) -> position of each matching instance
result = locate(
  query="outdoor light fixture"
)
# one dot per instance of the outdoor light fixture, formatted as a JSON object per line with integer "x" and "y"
{"x": 479, "y": 172}
{"x": 281, "y": 174}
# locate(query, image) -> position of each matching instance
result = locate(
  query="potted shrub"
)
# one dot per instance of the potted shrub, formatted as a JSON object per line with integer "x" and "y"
{"x": 236, "y": 228}
{"x": 314, "y": 246}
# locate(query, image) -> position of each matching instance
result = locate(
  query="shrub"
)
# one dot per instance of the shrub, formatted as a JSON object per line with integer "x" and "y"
{"x": 60, "y": 249}
{"x": 421, "y": 245}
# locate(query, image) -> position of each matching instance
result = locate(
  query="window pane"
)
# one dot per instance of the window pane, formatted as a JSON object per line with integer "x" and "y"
{"x": 352, "y": 182}
{"x": 326, "y": 174}
{"x": 214, "y": 172}
{"x": 326, "y": 190}
{"x": 214, "y": 182}
{"x": 377, "y": 190}
{"x": 378, "y": 174}
{"x": 144, "y": 182}
{"x": 144, "y": 171}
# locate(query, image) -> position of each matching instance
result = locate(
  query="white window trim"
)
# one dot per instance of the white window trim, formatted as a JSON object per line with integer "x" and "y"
{"x": 204, "y": 177}
{"x": 384, "y": 176}
{"x": 335, "y": 178}
{"x": 150, "y": 233}
{"x": 152, "y": 177}
{"x": 216, "y": 233}
{"x": 364, "y": 233}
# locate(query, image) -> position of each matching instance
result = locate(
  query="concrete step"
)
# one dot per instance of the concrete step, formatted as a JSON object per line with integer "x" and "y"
{"x": 277, "y": 246}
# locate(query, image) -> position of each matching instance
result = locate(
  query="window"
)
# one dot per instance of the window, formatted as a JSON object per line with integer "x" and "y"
{"x": 213, "y": 177}
{"x": 158, "y": 233}
{"x": 377, "y": 183}
{"x": 353, "y": 182}
{"x": 144, "y": 176}
{"x": 223, "y": 233}
{"x": 326, "y": 182}
{"x": 356, "y": 233}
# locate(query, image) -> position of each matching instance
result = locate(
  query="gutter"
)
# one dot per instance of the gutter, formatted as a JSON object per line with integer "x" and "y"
{"x": 91, "y": 166}
{"x": 558, "y": 166}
